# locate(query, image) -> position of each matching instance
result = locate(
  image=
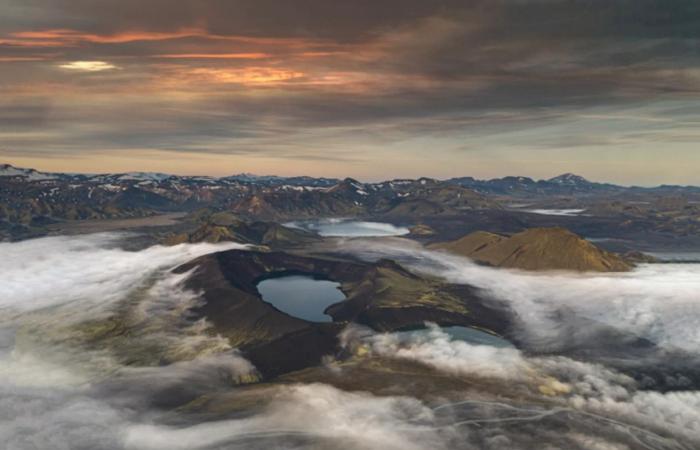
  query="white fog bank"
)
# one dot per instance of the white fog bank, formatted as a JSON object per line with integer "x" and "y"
{"x": 659, "y": 302}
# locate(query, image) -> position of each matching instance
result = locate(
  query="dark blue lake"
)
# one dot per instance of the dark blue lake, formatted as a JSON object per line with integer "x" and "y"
{"x": 301, "y": 296}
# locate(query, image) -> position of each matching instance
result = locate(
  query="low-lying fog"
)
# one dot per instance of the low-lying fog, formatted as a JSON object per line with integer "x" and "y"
{"x": 658, "y": 302}
{"x": 349, "y": 228}
{"x": 556, "y": 212}
{"x": 66, "y": 383}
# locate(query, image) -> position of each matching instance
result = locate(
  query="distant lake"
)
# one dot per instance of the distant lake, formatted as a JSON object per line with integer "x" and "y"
{"x": 349, "y": 228}
{"x": 301, "y": 296}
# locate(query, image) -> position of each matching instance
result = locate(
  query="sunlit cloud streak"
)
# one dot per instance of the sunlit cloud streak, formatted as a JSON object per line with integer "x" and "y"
{"x": 88, "y": 66}
{"x": 214, "y": 56}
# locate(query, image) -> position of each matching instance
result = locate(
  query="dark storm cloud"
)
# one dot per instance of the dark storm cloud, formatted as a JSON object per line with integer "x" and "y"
{"x": 25, "y": 114}
{"x": 352, "y": 20}
{"x": 214, "y": 74}
{"x": 266, "y": 18}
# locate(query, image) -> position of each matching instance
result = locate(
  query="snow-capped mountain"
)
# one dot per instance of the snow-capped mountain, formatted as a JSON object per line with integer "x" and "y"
{"x": 569, "y": 179}
{"x": 565, "y": 184}
{"x": 7, "y": 170}
{"x": 28, "y": 196}
{"x": 274, "y": 180}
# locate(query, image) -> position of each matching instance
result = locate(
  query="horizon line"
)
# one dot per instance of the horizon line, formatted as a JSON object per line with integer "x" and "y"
{"x": 171, "y": 174}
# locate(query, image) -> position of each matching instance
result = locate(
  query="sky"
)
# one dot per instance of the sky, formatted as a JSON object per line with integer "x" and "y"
{"x": 372, "y": 89}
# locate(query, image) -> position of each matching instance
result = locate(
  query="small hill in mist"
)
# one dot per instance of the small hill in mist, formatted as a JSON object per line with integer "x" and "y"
{"x": 536, "y": 249}
{"x": 222, "y": 227}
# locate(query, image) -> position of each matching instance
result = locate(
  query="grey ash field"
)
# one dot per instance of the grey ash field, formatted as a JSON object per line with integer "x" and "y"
{"x": 475, "y": 314}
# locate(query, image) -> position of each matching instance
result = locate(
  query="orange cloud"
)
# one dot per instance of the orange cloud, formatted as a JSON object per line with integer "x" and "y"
{"x": 248, "y": 75}
{"x": 31, "y": 43}
{"x": 21, "y": 58}
{"x": 67, "y": 37}
{"x": 321, "y": 54}
{"x": 215, "y": 56}
{"x": 88, "y": 66}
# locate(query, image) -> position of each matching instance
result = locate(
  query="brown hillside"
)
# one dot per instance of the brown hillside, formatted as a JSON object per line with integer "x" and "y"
{"x": 536, "y": 249}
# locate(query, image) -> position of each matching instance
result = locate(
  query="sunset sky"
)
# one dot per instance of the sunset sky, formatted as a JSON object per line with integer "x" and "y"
{"x": 373, "y": 89}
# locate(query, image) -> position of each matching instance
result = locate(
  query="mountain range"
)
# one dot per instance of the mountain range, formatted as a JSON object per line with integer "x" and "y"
{"x": 32, "y": 199}
{"x": 564, "y": 184}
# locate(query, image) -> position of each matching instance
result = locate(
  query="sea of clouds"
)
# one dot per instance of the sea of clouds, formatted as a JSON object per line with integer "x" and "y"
{"x": 557, "y": 313}
{"x": 59, "y": 390}
{"x": 658, "y": 302}
{"x": 578, "y": 390}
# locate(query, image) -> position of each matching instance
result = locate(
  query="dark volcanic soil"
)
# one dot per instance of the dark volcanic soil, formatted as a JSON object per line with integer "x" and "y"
{"x": 381, "y": 295}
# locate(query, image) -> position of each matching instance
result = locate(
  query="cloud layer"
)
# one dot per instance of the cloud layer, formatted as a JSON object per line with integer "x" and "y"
{"x": 260, "y": 84}
{"x": 347, "y": 228}
{"x": 68, "y": 381}
{"x": 583, "y": 391}
{"x": 655, "y": 302}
